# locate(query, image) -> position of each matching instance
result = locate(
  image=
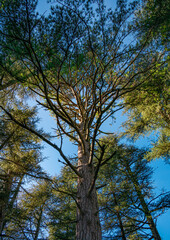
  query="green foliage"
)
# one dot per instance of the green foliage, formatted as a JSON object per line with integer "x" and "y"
{"x": 20, "y": 159}
{"x": 29, "y": 219}
{"x": 148, "y": 110}
{"x": 126, "y": 177}
{"x": 79, "y": 61}
{"x": 12, "y": 13}
{"x": 148, "y": 107}
{"x": 51, "y": 206}
{"x": 62, "y": 211}
{"x": 154, "y": 17}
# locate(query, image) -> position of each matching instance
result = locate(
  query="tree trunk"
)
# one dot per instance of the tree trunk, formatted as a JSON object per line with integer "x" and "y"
{"x": 145, "y": 208}
{"x": 88, "y": 224}
{"x": 38, "y": 223}
{"x": 11, "y": 204}
{"x": 119, "y": 218}
{"x": 148, "y": 215}
{"x": 4, "y": 202}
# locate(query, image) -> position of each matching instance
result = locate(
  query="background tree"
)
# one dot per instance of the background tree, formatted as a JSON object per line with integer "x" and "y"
{"x": 154, "y": 15}
{"x": 29, "y": 221}
{"x": 129, "y": 206}
{"x": 148, "y": 111}
{"x": 62, "y": 209}
{"x": 20, "y": 159}
{"x": 148, "y": 108}
{"x": 125, "y": 193}
{"x": 79, "y": 62}
{"x": 45, "y": 210}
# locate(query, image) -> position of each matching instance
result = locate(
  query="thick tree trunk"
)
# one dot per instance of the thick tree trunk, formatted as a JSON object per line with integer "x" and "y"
{"x": 88, "y": 224}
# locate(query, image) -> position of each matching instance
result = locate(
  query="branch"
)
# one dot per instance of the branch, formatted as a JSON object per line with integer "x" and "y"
{"x": 4, "y": 235}
{"x": 107, "y": 159}
{"x": 6, "y": 140}
{"x": 43, "y": 138}
{"x": 97, "y": 169}
{"x": 69, "y": 194}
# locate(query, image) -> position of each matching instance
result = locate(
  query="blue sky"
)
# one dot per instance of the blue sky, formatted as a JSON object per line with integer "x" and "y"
{"x": 161, "y": 176}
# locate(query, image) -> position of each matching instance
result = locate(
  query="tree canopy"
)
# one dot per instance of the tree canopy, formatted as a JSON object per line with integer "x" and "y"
{"x": 82, "y": 63}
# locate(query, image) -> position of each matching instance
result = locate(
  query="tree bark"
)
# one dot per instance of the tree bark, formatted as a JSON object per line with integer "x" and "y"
{"x": 88, "y": 223}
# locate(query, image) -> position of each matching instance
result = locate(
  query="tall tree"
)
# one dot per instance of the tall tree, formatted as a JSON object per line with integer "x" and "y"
{"x": 148, "y": 107}
{"x": 128, "y": 194}
{"x": 148, "y": 112}
{"x": 30, "y": 219}
{"x": 19, "y": 160}
{"x": 62, "y": 209}
{"x": 79, "y": 61}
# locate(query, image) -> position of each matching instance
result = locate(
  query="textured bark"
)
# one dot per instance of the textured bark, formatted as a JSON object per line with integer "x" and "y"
{"x": 88, "y": 224}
